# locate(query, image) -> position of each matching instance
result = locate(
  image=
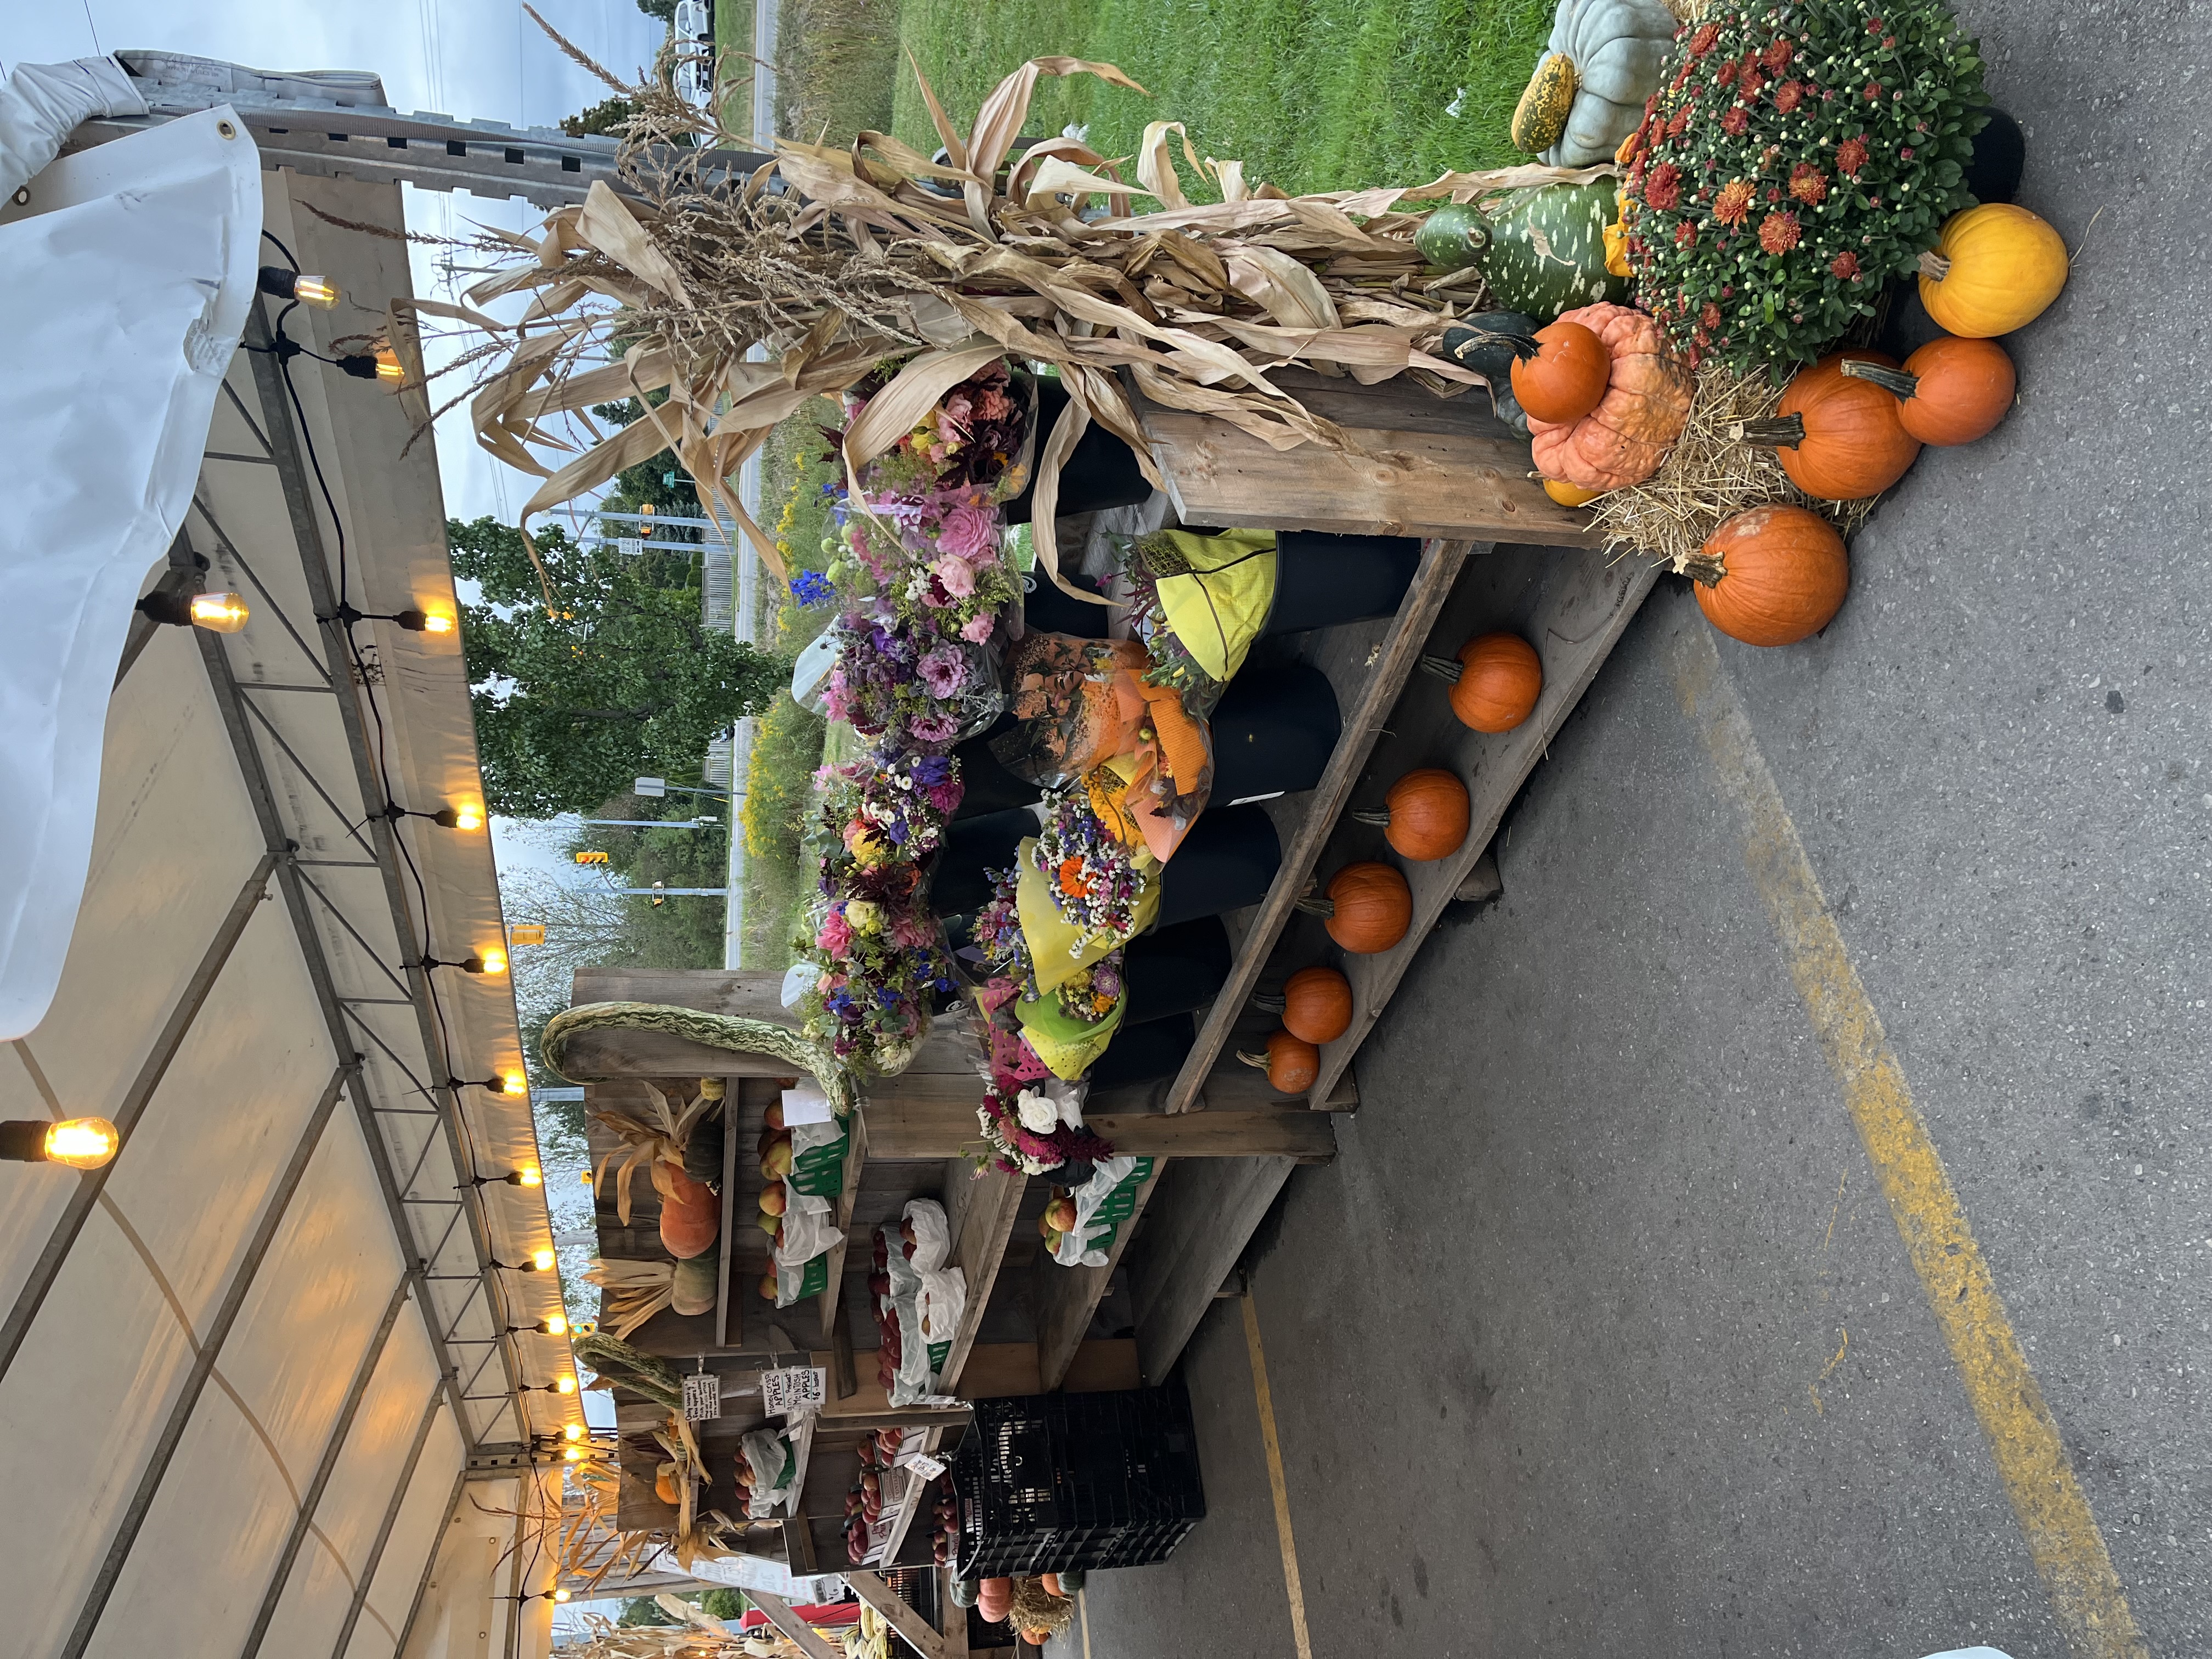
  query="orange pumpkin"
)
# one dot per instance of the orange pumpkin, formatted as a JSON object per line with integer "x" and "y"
{"x": 1565, "y": 374}
{"x": 1646, "y": 404}
{"x": 1494, "y": 683}
{"x": 1368, "y": 908}
{"x": 1425, "y": 816}
{"x": 1292, "y": 1063}
{"x": 1837, "y": 436}
{"x": 690, "y": 1215}
{"x": 1772, "y": 576}
{"x": 1317, "y": 1005}
{"x": 1949, "y": 391}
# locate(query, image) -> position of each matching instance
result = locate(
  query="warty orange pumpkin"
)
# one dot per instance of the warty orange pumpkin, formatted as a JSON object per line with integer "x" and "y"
{"x": 1646, "y": 404}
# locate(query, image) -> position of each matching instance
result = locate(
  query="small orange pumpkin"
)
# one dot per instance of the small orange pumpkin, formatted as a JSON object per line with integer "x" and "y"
{"x": 1772, "y": 576}
{"x": 1837, "y": 435}
{"x": 1646, "y": 404}
{"x": 1949, "y": 391}
{"x": 1425, "y": 816}
{"x": 1317, "y": 1005}
{"x": 1565, "y": 374}
{"x": 1368, "y": 908}
{"x": 1494, "y": 683}
{"x": 1292, "y": 1063}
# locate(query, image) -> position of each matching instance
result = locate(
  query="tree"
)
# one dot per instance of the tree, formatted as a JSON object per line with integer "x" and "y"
{"x": 610, "y": 115}
{"x": 641, "y": 1610}
{"x": 663, "y": 9}
{"x": 617, "y": 675}
{"x": 725, "y": 1604}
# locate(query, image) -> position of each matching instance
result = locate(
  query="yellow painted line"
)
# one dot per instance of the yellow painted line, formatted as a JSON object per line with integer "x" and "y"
{"x": 1275, "y": 1481}
{"x": 2069, "y": 1551}
{"x": 1083, "y": 1612}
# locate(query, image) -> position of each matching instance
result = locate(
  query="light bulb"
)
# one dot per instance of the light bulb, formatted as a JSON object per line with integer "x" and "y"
{"x": 467, "y": 817}
{"x": 559, "y": 1595}
{"x": 573, "y": 1454}
{"x": 436, "y": 622}
{"x": 515, "y": 1083}
{"x": 494, "y": 960}
{"x": 82, "y": 1143}
{"x": 219, "y": 613}
{"x": 532, "y": 1176}
{"x": 387, "y": 366}
{"x": 556, "y": 1325}
{"x": 564, "y": 1385}
{"x": 573, "y": 1430}
{"x": 542, "y": 1261}
{"x": 317, "y": 291}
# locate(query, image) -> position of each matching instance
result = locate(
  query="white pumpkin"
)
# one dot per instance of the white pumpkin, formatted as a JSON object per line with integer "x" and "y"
{"x": 1620, "y": 49}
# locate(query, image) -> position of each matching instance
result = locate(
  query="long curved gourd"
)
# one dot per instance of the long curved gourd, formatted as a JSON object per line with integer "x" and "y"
{"x": 1620, "y": 49}
{"x": 747, "y": 1036}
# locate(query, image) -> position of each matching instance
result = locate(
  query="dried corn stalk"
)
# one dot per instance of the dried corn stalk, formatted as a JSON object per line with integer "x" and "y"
{"x": 845, "y": 258}
{"x": 631, "y": 1292}
{"x": 653, "y": 1139}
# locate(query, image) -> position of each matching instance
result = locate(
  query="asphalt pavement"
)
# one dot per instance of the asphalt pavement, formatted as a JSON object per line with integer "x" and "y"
{"x": 1600, "y": 1337}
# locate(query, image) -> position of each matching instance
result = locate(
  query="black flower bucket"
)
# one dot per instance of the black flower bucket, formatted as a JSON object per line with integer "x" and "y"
{"x": 1274, "y": 733}
{"x": 987, "y": 786}
{"x": 1226, "y": 862}
{"x": 1145, "y": 1053}
{"x": 1101, "y": 472}
{"x": 1321, "y": 581}
{"x": 1175, "y": 970}
{"x": 1047, "y": 609}
{"x": 973, "y": 848}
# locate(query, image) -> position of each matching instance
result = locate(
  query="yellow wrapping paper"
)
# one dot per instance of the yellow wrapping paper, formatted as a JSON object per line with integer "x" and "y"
{"x": 1051, "y": 940}
{"x": 1219, "y": 609}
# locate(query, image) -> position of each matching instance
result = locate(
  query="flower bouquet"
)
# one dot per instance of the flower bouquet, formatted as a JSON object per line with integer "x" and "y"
{"x": 906, "y": 686}
{"x": 1797, "y": 157}
{"x": 1197, "y": 603}
{"x": 975, "y": 442}
{"x": 1092, "y": 877}
{"x": 873, "y": 936}
{"x": 1064, "y": 1026}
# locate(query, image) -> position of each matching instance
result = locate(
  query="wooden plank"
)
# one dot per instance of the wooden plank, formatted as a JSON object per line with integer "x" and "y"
{"x": 954, "y": 1618}
{"x": 795, "y": 1629}
{"x": 1067, "y": 1297}
{"x": 844, "y": 1374}
{"x": 981, "y": 1209}
{"x": 1231, "y": 1084}
{"x": 1101, "y": 1366}
{"x": 856, "y": 1157}
{"x": 1572, "y": 611}
{"x": 799, "y": 1545}
{"x": 940, "y": 1130}
{"x": 729, "y": 1310}
{"x": 1195, "y": 1231}
{"x": 1459, "y": 486}
{"x": 1417, "y": 613}
{"x": 910, "y": 1626}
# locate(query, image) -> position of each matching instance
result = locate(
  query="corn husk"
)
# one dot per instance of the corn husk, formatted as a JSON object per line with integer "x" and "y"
{"x": 874, "y": 252}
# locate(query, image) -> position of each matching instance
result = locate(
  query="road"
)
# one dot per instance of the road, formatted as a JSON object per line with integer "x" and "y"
{"x": 1601, "y": 1336}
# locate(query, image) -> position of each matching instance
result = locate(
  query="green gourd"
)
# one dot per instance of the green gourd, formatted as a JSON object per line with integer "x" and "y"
{"x": 692, "y": 1291}
{"x": 1453, "y": 236}
{"x": 1546, "y": 251}
{"x": 1541, "y": 115}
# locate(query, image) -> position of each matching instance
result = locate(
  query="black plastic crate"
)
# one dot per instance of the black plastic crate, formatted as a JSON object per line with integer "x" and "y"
{"x": 1053, "y": 1483}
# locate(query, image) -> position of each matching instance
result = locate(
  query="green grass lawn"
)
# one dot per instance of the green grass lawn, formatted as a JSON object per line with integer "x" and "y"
{"x": 1311, "y": 94}
{"x": 733, "y": 37}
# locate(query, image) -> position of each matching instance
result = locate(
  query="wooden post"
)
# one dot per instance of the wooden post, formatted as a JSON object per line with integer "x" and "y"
{"x": 795, "y": 1630}
{"x": 910, "y": 1625}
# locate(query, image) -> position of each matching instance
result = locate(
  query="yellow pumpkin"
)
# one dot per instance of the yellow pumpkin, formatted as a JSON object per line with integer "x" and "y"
{"x": 1541, "y": 115}
{"x": 1570, "y": 494}
{"x": 1995, "y": 269}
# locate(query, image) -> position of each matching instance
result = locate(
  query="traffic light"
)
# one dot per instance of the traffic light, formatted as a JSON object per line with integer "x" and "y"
{"x": 646, "y": 510}
{"x": 526, "y": 933}
{"x": 657, "y": 901}
{"x": 591, "y": 858}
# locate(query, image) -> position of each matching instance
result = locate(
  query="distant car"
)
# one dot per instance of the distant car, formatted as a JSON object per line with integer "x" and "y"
{"x": 695, "y": 37}
{"x": 695, "y": 21}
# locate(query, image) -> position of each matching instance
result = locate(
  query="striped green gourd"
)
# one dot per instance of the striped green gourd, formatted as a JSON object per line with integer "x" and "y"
{"x": 1547, "y": 250}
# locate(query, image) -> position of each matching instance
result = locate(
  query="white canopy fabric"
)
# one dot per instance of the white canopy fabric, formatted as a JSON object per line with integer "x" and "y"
{"x": 127, "y": 275}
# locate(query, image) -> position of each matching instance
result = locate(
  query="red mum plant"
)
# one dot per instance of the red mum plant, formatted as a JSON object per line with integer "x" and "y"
{"x": 1769, "y": 134}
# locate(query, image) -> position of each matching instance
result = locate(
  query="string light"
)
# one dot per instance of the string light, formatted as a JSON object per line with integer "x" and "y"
{"x": 317, "y": 291}
{"x": 82, "y": 1143}
{"x": 494, "y": 958}
{"x": 540, "y": 1261}
{"x": 552, "y": 1325}
{"x": 564, "y": 1385}
{"x": 466, "y": 818}
{"x": 413, "y": 619}
{"x": 528, "y": 1176}
{"x": 572, "y": 1431}
{"x": 490, "y": 961}
{"x": 506, "y": 1083}
{"x": 559, "y": 1595}
{"x": 219, "y": 613}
